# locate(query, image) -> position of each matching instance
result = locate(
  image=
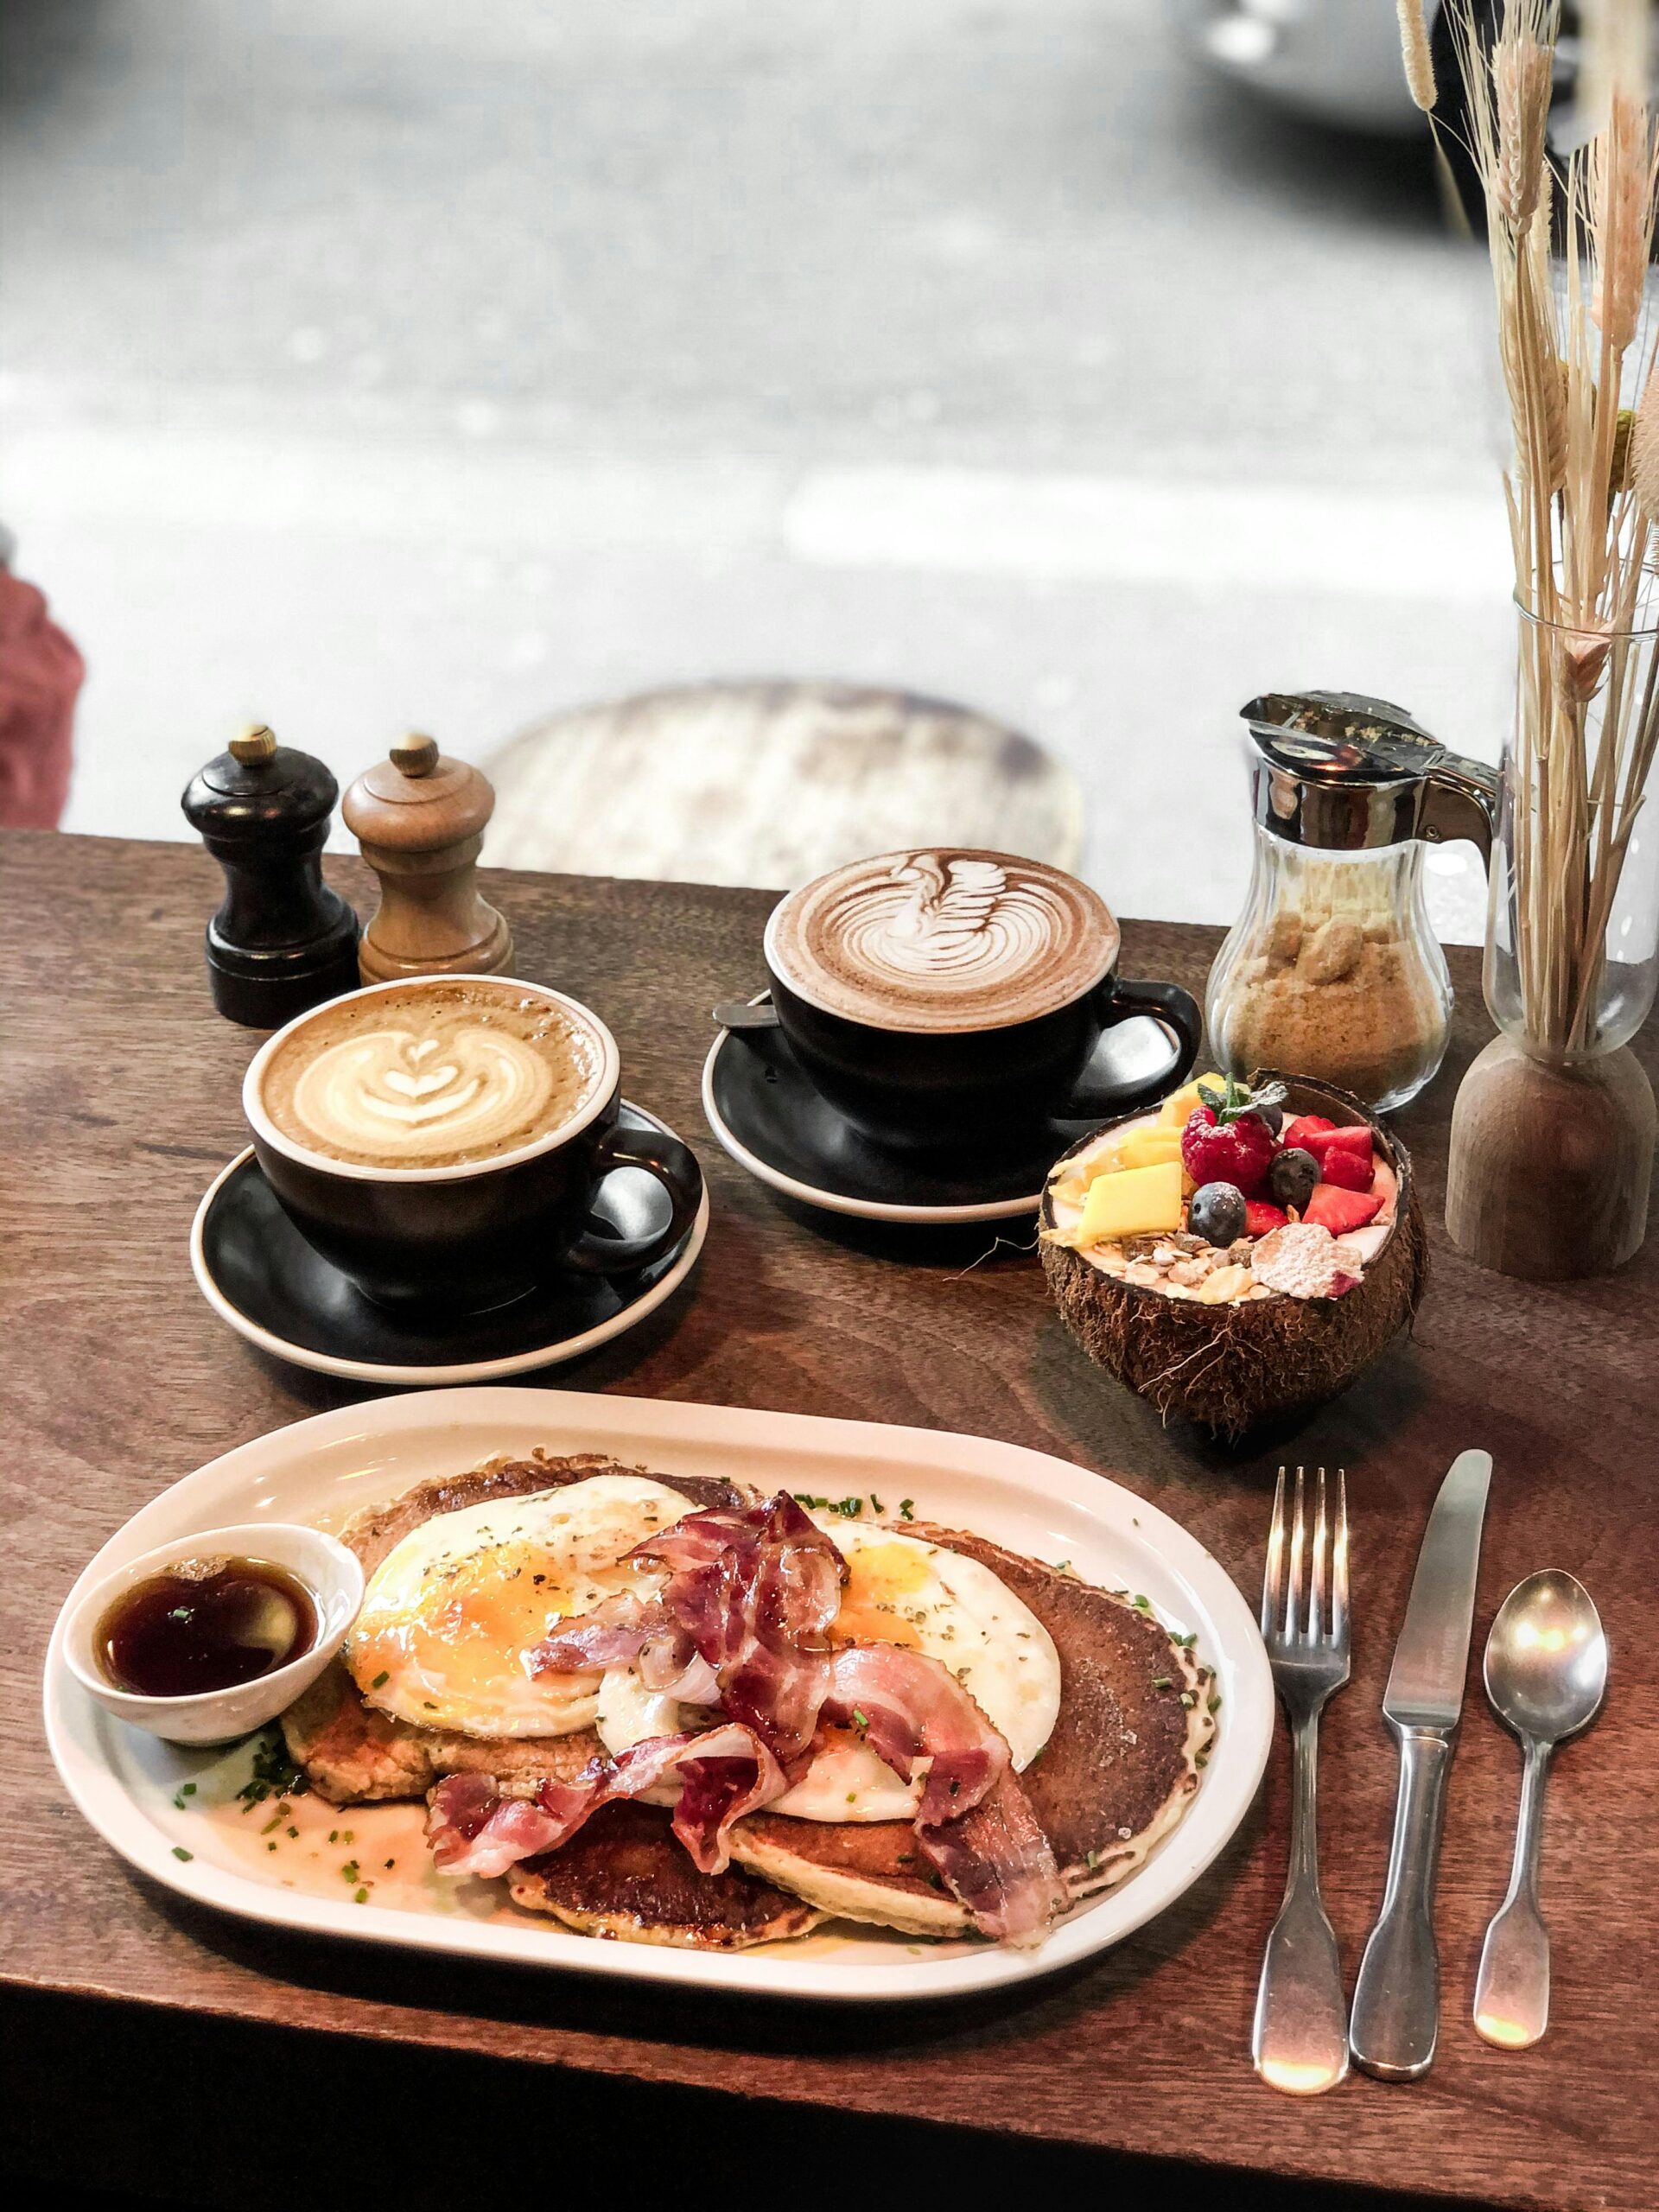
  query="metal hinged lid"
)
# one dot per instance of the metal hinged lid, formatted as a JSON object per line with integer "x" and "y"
{"x": 1344, "y": 772}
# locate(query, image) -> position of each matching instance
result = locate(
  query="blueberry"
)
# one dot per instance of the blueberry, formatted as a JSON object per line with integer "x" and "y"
{"x": 1291, "y": 1177}
{"x": 1216, "y": 1213}
{"x": 1272, "y": 1115}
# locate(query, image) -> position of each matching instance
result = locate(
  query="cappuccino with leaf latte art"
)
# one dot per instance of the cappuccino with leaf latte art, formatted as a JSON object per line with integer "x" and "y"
{"x": 451, "y": 1072}
{"x": 945, "y": 940}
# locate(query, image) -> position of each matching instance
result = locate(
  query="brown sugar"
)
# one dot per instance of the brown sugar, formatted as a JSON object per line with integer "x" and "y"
{"x": 1349, "y": 1002}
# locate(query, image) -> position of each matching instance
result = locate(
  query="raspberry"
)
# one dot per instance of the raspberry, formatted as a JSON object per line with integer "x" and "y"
{"x": 1226, "y": 1140}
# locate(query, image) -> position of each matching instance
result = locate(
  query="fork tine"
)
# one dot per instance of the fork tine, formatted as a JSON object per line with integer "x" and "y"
{"x": 1315, "y": 1630}
{"x": 1273, "y": 1582}
{"x": 1298, "y": 1543}
{"x": 1339, "y": 1565}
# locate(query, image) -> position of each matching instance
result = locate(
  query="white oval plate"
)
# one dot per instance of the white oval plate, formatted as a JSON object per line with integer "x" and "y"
{"x": 328, "y": 1467}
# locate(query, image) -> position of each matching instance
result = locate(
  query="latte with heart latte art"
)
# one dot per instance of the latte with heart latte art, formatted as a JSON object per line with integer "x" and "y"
{"x": 434, "y": 1074}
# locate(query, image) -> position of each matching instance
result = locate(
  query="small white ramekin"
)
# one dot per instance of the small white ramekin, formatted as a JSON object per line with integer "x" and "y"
{"x": 329, "y": 1571}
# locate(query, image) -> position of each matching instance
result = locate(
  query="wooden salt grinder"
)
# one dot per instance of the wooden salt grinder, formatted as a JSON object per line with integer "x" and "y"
{"x": 282, "y": 941}
{"x": 420, "y": 820}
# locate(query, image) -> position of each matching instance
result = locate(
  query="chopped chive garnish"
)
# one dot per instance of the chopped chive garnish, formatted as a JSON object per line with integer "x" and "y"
{"x": 179, "y": 1852}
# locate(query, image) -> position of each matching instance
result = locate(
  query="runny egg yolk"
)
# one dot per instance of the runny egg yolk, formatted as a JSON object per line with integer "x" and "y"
{"x": 452, "y": 1616}
{"x": 881, "y": 1601}
{"x": 474, "y": 1609}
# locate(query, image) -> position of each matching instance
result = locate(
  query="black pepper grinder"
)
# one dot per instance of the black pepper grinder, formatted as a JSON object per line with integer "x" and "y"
{"x": 282, "y": 941}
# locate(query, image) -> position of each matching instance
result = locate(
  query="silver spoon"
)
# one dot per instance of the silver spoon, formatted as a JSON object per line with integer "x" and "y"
{"x": 1546, "y": 1675}
{"x": 746, "y": 1013}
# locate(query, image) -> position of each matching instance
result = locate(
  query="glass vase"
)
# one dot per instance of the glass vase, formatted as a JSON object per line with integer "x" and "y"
{"x": 1552, "y": 1133}
{"x": 1573, "y": 919}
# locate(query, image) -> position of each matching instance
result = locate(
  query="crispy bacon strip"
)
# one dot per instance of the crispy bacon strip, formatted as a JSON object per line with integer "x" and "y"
{"x": 908, "y": 1707}
{"x": 752, "y": 1593}
{"x": 974, "y": 1822}
{"x": 724, "y": 1771}
{"x": 997, "y": 1862}
{"x": 748, "y": 1600}
{"x": 628, "y": 1630}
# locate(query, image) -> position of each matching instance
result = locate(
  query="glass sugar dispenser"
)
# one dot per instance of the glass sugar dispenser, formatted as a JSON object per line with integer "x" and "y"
{"x": 1332, "y": 970}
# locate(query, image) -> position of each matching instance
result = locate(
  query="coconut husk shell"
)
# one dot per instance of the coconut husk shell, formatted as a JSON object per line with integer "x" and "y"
{"x": 1229, "y": 1368}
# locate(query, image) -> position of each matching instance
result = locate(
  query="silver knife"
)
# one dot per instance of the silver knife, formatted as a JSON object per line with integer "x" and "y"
{"x": 1395, "y": 2013}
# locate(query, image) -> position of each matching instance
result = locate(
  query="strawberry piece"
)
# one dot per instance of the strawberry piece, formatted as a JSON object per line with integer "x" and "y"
{"x": 1342, "y": 1166}
{"x": 1337, "y": 1210}
{"x": 1304, "y": 1127}
{"x": 1261, "y": 1218}
{"x": 1355, "y": 1137}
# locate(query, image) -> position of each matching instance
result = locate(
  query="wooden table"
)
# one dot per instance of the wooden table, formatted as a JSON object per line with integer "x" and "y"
{"x": 129, "y": 2017}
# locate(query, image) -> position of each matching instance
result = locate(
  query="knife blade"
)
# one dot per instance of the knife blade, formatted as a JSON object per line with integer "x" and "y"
{"x": 1394, "y": 2018}
{"x": 1432, "y": 1657}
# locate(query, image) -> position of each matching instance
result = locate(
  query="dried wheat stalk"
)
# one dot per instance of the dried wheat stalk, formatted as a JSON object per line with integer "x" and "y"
{"x": 1414, "y": 45}
{"x": 1570, "y": 243}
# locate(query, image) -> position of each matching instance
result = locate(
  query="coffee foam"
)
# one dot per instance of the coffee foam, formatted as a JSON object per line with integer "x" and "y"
{"x": 941, "y": 940}
{"x": 434, "y": 1075}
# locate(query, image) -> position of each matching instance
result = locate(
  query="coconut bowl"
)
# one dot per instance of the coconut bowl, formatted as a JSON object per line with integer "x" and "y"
{"x": 1231, "y": 1368}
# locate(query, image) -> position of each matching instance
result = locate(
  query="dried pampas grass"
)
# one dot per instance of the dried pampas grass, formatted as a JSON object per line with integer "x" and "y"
{"x": 1570, "y": 240}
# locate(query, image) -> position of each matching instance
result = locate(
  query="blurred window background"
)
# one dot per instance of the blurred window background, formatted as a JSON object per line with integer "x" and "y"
{"x": 377, "y": 363}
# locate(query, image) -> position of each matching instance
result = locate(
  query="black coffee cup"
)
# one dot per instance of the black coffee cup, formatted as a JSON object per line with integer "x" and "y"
{"x": 984, "y": 1088}
{"x": 476, "y": 1235}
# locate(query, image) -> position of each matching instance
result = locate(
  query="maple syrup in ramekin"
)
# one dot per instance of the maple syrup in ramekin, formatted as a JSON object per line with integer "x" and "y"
{"x": 204, "y": 1625}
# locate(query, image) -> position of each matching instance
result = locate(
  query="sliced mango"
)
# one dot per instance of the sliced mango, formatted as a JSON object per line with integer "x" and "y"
{"x": 1137, "y": 1202}
{"x": 1181, "y": 1106}
{"x": 1152, "y": 1146}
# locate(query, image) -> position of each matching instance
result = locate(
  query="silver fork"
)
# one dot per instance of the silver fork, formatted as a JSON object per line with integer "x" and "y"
{"x": 1300, "y": 2039}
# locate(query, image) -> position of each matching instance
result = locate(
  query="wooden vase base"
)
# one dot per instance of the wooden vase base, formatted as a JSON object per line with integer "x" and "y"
{"x": 1550, "y": 1165}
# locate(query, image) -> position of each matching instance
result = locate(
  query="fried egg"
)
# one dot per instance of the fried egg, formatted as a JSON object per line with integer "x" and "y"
{"x": 451, "y": 1612}
{"x": 900, "y": 1590}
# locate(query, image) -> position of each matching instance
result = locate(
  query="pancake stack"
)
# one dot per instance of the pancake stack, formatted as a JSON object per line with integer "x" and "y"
{"x": 1120, "y": 1765}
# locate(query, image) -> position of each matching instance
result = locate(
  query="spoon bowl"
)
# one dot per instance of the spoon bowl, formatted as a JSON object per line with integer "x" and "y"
{"x": 1546, "y": 1675}
{"x": 1547, "y": 1658}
